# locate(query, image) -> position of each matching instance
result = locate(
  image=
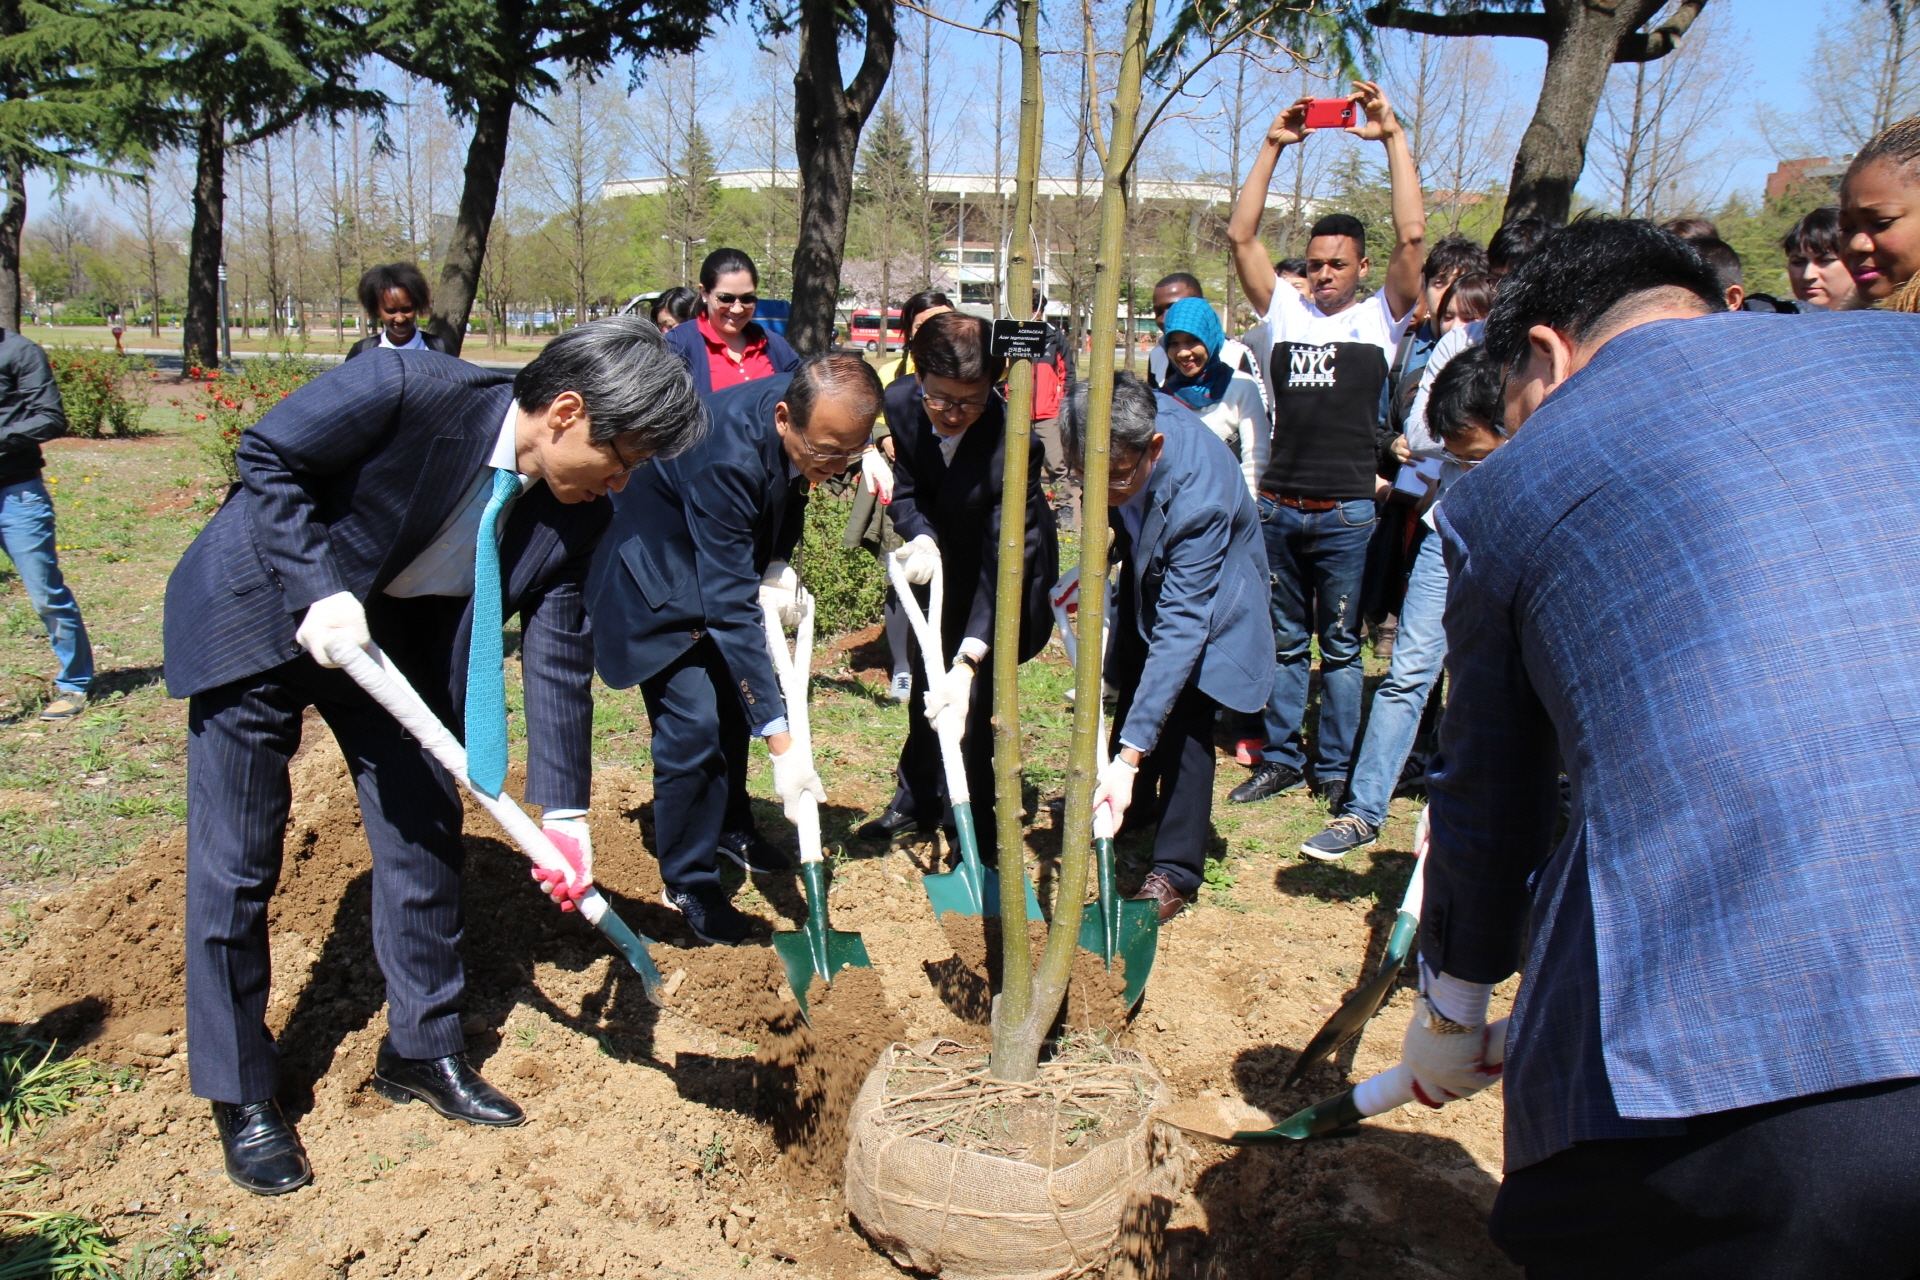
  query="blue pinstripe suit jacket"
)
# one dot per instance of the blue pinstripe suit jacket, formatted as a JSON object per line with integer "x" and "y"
{"x": 344, "y": 483}
{"x": 1694, "y": 578}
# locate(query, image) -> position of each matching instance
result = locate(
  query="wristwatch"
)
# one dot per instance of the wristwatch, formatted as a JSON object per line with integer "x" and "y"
{"x": 1439, "y": 1023}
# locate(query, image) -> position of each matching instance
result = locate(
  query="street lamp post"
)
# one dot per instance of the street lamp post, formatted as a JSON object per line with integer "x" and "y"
{"x": 226, "y": 334}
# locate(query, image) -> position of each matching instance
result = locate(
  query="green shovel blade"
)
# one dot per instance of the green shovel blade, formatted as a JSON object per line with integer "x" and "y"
{"x": 1337, "y": 1112}
{"x": 1124, "y": 927}
{"x": 1357, "y": 1009}
{"x": 972, "y": 888}
{"x": 816, "y": 949}
{"x": 634, "y": 948}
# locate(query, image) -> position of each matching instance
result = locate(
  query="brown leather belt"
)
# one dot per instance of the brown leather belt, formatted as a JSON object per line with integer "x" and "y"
{"x": 1300, "y": 504}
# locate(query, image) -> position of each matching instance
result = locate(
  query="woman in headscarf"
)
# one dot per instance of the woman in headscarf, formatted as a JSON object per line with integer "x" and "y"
{"x": 1226, "y": 399}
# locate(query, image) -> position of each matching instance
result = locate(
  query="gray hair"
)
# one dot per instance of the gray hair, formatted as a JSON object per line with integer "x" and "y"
{"x": 1133, "y": 417}
{"x": 632, "y": 384}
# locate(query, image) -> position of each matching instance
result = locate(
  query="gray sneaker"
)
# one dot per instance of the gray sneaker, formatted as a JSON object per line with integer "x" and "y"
{"x": 1342, "y": 836}
{"x": 65, "y": 707}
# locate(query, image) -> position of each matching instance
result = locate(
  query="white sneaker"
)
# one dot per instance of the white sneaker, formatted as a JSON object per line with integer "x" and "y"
{"x": 902, "y": 685}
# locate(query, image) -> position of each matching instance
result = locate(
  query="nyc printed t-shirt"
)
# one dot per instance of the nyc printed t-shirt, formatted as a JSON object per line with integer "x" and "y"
{"x": 1326, "y": 374}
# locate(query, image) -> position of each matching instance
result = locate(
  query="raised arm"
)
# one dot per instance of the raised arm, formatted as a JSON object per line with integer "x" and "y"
{"x": 1250, "y": 260}
{"x": 1409, "y": 208}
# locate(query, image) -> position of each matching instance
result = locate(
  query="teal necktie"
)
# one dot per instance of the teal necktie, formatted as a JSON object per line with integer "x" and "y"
{"x": 486, "y": 685}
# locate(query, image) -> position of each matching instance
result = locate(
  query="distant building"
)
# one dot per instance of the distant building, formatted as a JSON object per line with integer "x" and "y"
{"x": 1812, "y": 170}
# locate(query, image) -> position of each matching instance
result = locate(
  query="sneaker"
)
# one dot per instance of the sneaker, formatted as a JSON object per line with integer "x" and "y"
{"x": 1269, "y": 778}
{"x": 65, "y": 707}
{"x": 754, "y": 852}
{"x": 1334, "y": 793}
{"x": 711, "y": 917}
{"x": 1342, "y": 836}
{"x": 902, "y": 686}
{"x": 1247, "y": 750}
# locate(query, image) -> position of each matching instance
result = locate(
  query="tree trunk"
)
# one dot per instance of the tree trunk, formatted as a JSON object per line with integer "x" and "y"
{"x": 459, "y": 278}
{"x": 13, "y": 220}
{"x": 827, "y": 121}
{"x": 200, "y": 334}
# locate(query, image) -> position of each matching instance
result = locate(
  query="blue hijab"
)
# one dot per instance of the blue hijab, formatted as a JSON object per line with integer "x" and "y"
{"x": 1195, "y": 316}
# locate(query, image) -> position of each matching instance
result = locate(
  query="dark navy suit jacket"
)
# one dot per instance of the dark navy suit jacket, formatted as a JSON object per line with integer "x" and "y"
{"x": 691, "y": 538}
{"x": 1693, "y": 579}
{"x": 684, "y": 340}
{"x": 341, "y": 486}
{"x": 959, "y": 507}
{"x": 1199, "y": 581}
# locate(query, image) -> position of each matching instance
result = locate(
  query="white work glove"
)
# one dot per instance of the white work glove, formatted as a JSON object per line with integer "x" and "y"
{"x": 1115, "y": 789}
{"x": 794, "y": 776}
{"x": 918, "y": 559}
{"x": 876, "y": 476}
{"x": 574, "y": 842}
{"x": 951, "y": 691}
{"x": 780, "y": 591}
{"x": 1448, "y": 1059}
{"x": 337, "y": 615}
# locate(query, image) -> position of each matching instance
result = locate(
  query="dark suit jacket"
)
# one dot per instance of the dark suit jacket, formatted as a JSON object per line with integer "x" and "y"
{"x": 1198, "y": 591}
{"x": 344, "y": 483}
{"x": 1692, "y": 581}
{"x": 691, "y": 538}
{"x": 959, "y": 506}
{"x": 684, "y": 340}
{"x": 372, "y": 343}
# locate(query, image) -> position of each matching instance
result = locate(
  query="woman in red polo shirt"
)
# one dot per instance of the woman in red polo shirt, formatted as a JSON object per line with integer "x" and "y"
{"x": 723, "y": 347}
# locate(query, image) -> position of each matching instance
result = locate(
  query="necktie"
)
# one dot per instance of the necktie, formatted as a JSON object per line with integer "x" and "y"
{"x": 486, "y": 686}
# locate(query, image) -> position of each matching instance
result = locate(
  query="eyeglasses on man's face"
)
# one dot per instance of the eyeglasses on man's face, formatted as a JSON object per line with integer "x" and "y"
{"x": 961, "y": 408}
{"x": 826, "y": 455}
{"x": 627, "y": 468}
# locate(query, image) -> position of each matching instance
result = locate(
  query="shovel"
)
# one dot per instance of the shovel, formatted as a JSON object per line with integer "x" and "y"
{"x": 1355, "y": 1011}
{"x": 973, "y": 888}
{"x": 1390, "y": 1089}
{"x": 816, "y": 949}
{"x": 1127, "y": 927}
{"x": 386, "y": 685}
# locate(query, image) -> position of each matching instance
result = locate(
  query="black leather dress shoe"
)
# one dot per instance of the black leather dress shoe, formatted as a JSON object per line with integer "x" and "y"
{"x": 263, "y": 1152}
{"x": 449, "y": 1085}
{"x": 893, "y": 823}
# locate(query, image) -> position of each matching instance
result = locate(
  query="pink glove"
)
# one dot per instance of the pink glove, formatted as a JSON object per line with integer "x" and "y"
{"x": 572, "y": 840}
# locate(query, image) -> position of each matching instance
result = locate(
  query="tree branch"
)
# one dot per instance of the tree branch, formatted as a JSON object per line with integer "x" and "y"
{"x": 979, "y": 31}
{"x": 1531, "y": 26}
{"x": 876, "y": 64}
{"x": 1651, "y": 46}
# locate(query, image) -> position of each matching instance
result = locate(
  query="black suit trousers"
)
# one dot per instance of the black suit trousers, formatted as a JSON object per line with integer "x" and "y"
{"x": 700, "y": 737}
{"x": 922, "y": 787}
{"x": 1175, "y": 782}
{"x": 1816, "y": 1186}
{"x": 240, "y": 737}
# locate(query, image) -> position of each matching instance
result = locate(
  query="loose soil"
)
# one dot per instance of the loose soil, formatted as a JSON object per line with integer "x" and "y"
{"x": 706, "y": 1137}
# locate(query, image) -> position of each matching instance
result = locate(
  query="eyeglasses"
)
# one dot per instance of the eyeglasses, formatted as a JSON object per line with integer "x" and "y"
{"x": 626, "y": 468}
{"x": 819, "y": 455}
{"x": 961, "y": 408}
{"x": 1118, "y": 481}
{"x": 731, "y": 299}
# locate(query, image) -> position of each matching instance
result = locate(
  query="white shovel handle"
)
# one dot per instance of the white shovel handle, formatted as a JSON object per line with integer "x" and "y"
{"x": 948, "y": 725}
{"x": 795, "y": 669}
{"x": 384, "y": 683}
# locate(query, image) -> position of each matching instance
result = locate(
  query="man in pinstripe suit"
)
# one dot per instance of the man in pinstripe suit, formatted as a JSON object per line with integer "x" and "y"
{"x": 358, "y": 513}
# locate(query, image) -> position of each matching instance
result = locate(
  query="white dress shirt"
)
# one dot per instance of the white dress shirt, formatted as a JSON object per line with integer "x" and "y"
{"x": 445, "y": 568}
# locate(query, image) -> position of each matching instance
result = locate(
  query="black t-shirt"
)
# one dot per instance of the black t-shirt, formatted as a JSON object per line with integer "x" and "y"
{"x": 1326, "y": 408}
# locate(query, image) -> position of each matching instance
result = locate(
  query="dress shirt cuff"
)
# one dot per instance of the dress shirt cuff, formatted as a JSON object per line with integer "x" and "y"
{"x": 561, "y": 815}
{"x": 975, "y": 649}
{"x": 1131, "y": 747}
{"x": 1456, "y": 999}
{"x": 771, "y": 727}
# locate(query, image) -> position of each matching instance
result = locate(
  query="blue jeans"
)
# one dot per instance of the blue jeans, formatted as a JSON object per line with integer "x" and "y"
{"x": 26, "y": 530}
{"x": 1418, "y": 652}
{"x": 1315, "y": 560}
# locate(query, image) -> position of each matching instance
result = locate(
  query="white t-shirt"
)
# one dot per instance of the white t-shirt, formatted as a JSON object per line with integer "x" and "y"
{"x": 1291, "y": 318}
{"x": 1240, "y": 419}
{"x": 415, "y": 343}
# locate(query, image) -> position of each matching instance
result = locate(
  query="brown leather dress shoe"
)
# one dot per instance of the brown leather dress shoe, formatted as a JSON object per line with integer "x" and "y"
{"x": 1157, "y": 888}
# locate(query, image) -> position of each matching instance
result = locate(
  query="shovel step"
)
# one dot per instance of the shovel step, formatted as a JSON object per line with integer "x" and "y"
{"x": 959, "y": 892}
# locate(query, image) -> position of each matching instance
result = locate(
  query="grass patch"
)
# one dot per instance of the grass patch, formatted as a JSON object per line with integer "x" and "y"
{"x": 37, "y": 1085}
{"x": 55, "y": 1246}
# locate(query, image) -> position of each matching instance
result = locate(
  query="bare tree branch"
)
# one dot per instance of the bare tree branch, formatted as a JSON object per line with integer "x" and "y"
{"x": 979, "y": 31}
{"x": 1651, "y": 46}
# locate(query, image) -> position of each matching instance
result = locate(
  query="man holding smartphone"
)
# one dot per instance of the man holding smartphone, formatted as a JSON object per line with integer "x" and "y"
{"x": 1326, "y": 373}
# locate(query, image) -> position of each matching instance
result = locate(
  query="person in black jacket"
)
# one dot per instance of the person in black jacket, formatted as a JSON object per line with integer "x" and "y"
{"x": 697, "y": 545}
{"x": 949, "y": 433}
{"x": 395, "y": 297}
{"x": 31, "y": 413}
{"x": 417, "y": 501}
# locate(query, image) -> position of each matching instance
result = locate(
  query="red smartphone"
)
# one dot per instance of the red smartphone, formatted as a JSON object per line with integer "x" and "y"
{"x": 1330, "y": 113}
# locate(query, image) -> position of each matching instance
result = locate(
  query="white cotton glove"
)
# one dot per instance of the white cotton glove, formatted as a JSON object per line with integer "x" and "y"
{"x": 573, "y": 842}
{"x": 951, "y": 691}
{"x": 918, "y": 559}
{"x": 337, "y": 615}
{"x": 1115, "y": 790}
{"x": 793, "y": 777}
{"x": 876, "y": 475}
{"x": 780, "y": 591}
{"x": 1448, "y": 1059}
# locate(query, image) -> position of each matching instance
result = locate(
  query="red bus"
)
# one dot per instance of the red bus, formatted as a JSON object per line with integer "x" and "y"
{"x": 863, "y": 330}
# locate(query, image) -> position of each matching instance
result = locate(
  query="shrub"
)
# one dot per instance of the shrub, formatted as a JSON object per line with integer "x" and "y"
{"x": 848, "y": 586}
{"x": 228, "y": 401}
{"x": 99, "y": 389}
